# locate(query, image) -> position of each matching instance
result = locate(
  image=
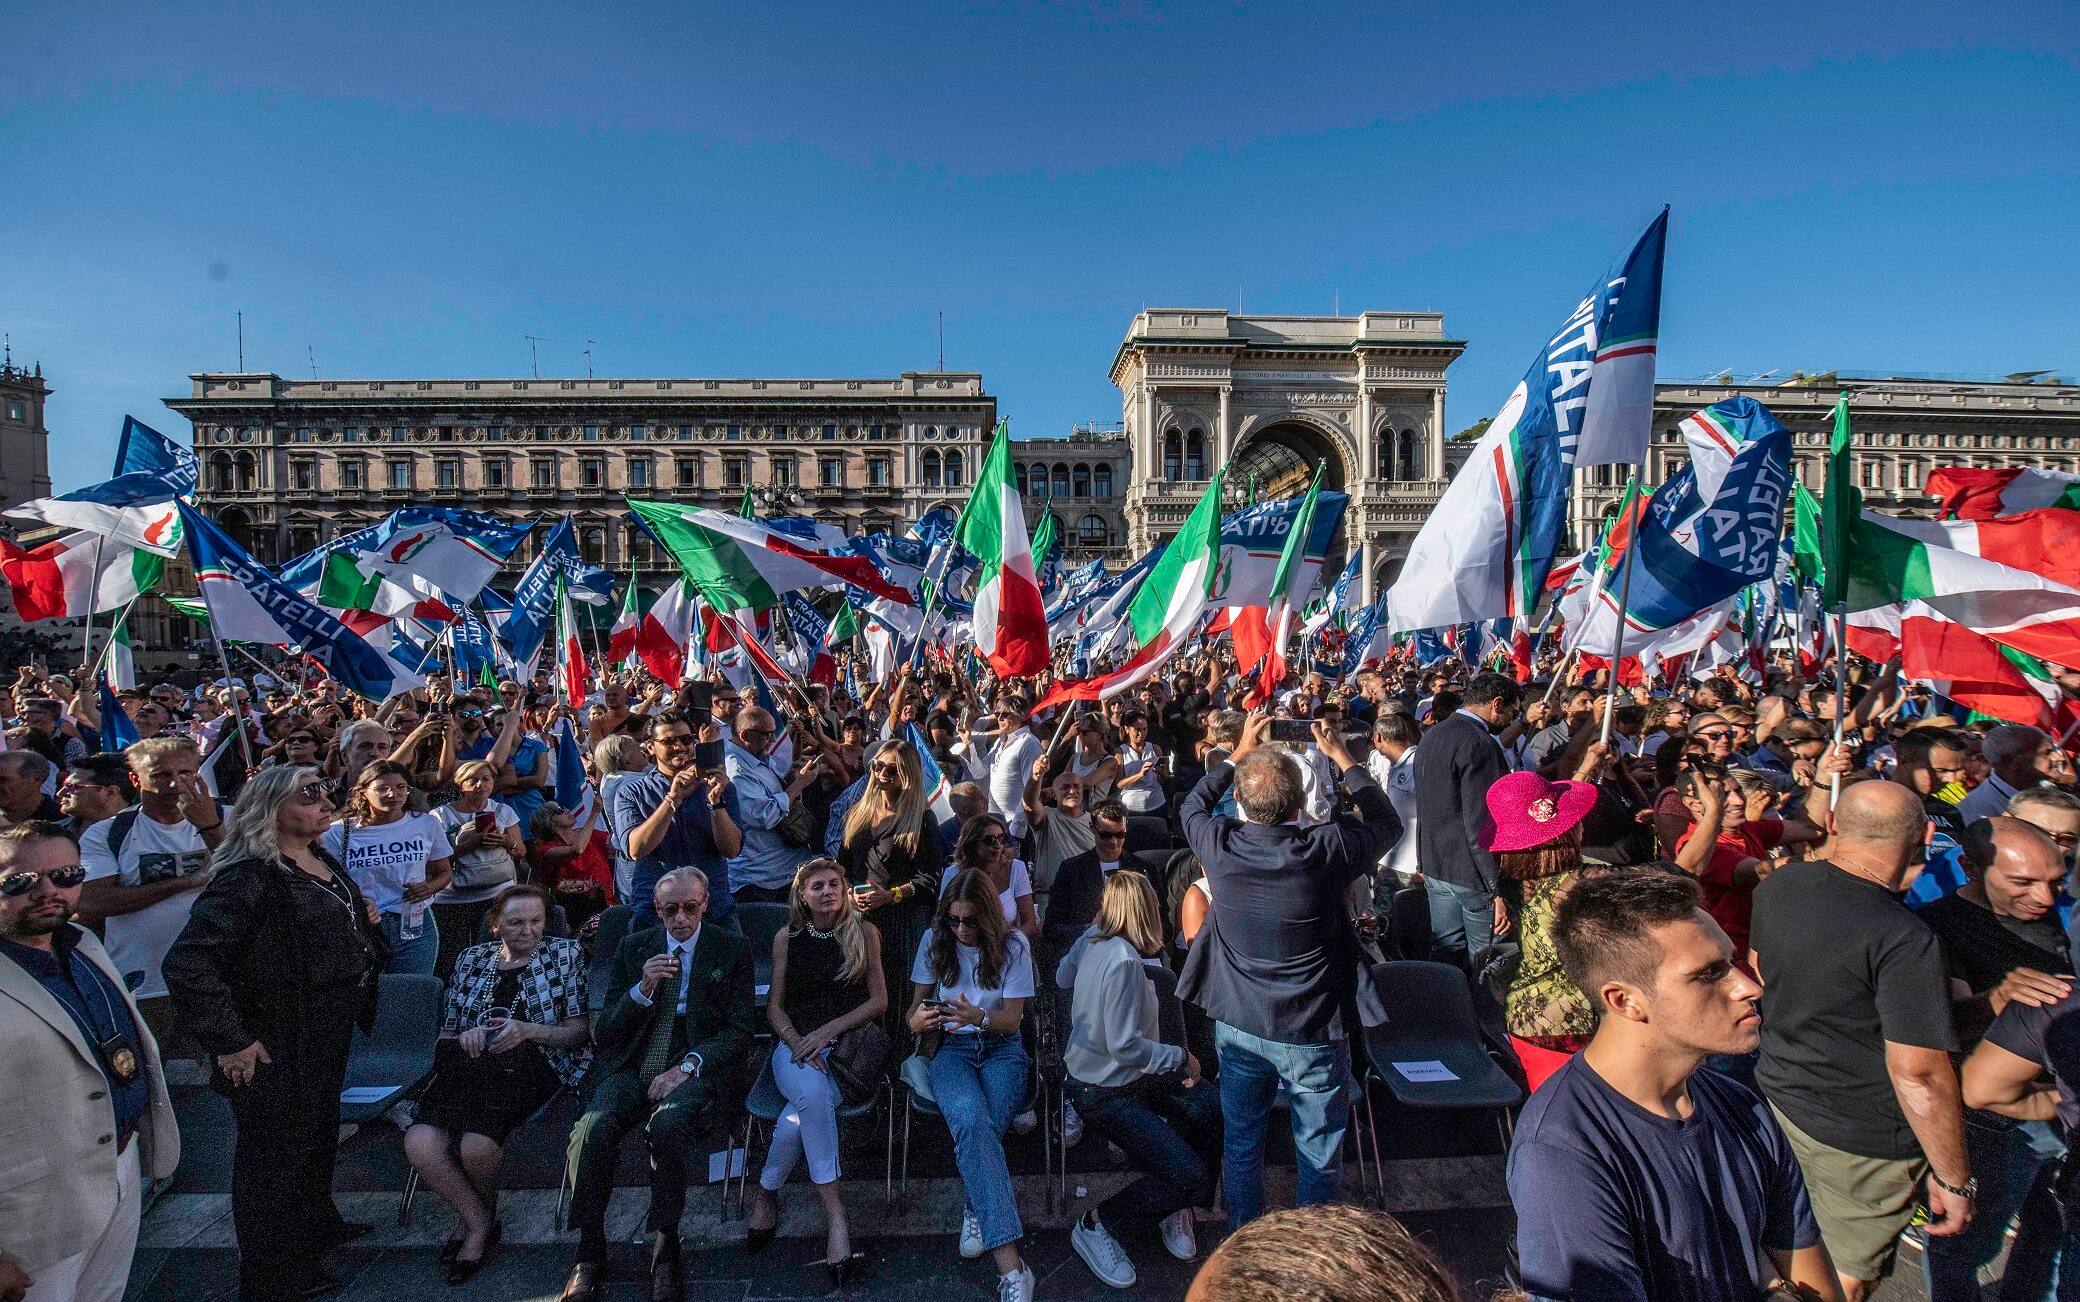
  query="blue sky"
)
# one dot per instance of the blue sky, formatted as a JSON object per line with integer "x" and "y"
{"x": 799, "y": 189}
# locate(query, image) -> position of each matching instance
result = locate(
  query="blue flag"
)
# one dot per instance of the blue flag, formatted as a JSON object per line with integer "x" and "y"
{"x": 144, "y": 450}
{"x": 573, "y": 790}
{"x": 117, "y": 731}
{"x": 528, "y": 621}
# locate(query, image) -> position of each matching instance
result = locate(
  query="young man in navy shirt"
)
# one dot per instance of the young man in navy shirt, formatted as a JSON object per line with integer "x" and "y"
{"x": 1636, "y": 1175}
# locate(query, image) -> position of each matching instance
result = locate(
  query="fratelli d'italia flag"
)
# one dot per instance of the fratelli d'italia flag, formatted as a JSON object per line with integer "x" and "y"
{"x": 1010, "y": 620}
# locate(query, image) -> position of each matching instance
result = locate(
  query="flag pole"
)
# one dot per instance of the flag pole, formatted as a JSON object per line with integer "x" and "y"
{"x": 1610, "y": 700}
{"x": 108, "y": 648}
{"x": 238, "y": 715}
{"x": 86, "y": 645}
{"x": 1841, "y": 694}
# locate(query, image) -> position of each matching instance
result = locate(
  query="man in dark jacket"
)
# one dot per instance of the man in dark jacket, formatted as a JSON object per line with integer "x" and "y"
{"x": 1456, "y": 764}
{"x": 670, "y": 1059}
{"x": 1276, "y": 964}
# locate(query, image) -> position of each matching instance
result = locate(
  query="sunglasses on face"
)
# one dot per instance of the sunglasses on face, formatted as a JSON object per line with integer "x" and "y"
{"x": 674, "y": 910}
{"x": 957, "y": 921}
{"x": 679, "y": 741}
{"x": 21, "y": 883}
{"x": 313, "y": 791}
{"x": 1111, "y": 836}
{"x": 887, "y": 770}
{"x": 993, "y": 842}
{"x": 1714, "y": 734}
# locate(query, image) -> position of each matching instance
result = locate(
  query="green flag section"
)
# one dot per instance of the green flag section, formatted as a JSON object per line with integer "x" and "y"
{"x": 1289, "y": 583}
{"x": 1806, "y": 560}
{"x": 1843, "y": 508}
{"x": 1044, "y": 540}
{"x": 1010, "y": 621}
{"x": 342, "y": 585}
{"x": 78, "y": 575}
{"x": 740, "y": 564}
{"x": 844, "y": 627}
{"x": 1167, "y": 607}
{"x": 193, "y": 607}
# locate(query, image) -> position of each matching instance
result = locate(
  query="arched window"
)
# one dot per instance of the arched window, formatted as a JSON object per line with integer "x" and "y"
{"x": 639, "y": 549}
{"x": 931, "y": 468}
{"x": 1383, "y": 453}
{"x": 1080, "y": 479}
{"x": 220, "y": 472}
{"x": 1406, "y": 465}
{"x": 1061, "y": 480}
{"x": 1018, "y": 472}
{"x": 1090, "y": 531}
{"x": 1101, "y": 481}
{"x": 956, "y": 468}
{"x": 248, "y": 472}
{"x": 1173, "y": 456}
{"x": 1195, "y": 455}
{"x": 596, "y": 545}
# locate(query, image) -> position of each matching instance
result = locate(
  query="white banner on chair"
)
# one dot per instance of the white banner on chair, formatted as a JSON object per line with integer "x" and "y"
{"x": 1427, "y": 1070}
{"x": 728, "y": 1164}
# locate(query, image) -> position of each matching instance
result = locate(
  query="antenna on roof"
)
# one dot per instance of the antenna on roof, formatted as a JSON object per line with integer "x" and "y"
{"x": 534, "y": 355}
{"x": 241, "y": 343}
{"x": 588, "y": 359}
{"x": 942, "y": 338}
{"x": 312, "y": 354}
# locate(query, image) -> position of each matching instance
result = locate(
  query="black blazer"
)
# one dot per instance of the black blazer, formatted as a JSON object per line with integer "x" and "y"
{"x": 1456, "y": 762}
{"x": 1277, "y": 957}
{"x": 1072, "y": 904}
{"x": 720, "y": 1014}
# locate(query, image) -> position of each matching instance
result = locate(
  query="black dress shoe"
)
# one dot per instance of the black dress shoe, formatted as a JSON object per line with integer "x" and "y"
{"x": 583, "y": 1285}
{"x": 755, "y": 1238}
{"x": 667, "y": 1281}
{"x": 345, "y": 1232}
{"x": 322, "y": 1284}
{"x": 462, "y": 1268}
{"x": 845, "y": 1271}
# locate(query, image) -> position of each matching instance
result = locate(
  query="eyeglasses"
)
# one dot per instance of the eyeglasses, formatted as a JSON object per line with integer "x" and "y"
{"x": 993, "y": 842}
{"x": 21, "y": 883}
{"x": 313, "y": 791}
{"x": 1713, "y": 734}
{"x": 1120, "y": 835}
{"x": 957, "y": 921}
{"x": 886, "y": 770}
{"x": 677, "y": 741}
{"x": 77, "y": 783}
{"x": 674, "y": 910}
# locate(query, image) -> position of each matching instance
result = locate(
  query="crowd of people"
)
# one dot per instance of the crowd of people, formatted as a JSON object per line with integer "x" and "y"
{"x": 1779, "y": 961}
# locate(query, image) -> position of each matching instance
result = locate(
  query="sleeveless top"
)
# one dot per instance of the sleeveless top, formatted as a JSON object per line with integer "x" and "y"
{"x": 815, "y": 996}
{"x": 1083, "y": 772}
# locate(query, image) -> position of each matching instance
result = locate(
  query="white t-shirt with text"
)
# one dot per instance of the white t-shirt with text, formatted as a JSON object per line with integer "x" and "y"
{"x": 383, "y": 858}
{"x": 152, "y": 852}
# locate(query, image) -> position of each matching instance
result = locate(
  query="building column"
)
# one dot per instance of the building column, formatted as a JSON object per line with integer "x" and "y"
{"x": 1436, "y": 440}
{"x": 1223, "y": 445}
{"x": 1368, "y": 457}
{"x": 1370, "y": 551}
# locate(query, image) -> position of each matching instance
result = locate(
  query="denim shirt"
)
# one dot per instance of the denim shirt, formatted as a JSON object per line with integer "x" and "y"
{"x": 688, "y": 842}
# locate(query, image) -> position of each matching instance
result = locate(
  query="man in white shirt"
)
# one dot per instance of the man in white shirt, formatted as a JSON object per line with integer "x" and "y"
{"x": 145, "y": 866}
{"x": 1002, "y": 761}
{"x": 1392, "y": 764}
{"x": 2020, "y": 756}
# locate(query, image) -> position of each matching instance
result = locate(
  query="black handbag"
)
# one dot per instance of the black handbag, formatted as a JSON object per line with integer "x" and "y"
{"x": 858, "y": 1062}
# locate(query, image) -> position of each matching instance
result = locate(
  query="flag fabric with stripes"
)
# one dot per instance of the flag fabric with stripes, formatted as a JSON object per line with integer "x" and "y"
{"x": 576, "y": 676}
{"x": 573, "y": 789}
{"x": 666, "y": 629}
{"x": 621, "y": 640}
{"x": 1972, "y": 493}
{"x": 740, "y": 564}
{"x": 117, "y": 731}
{"x": 1289, "y": 588}
{"x": 77, "y": 575}
{"x": 937, "y": 792}
{"x": 1010, "y": 620}
{"x": 1619, "y": 419}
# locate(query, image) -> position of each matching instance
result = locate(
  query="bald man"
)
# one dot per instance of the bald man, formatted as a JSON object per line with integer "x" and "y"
{"x": 754, "y": 757}
{"x": 2002, "y": 945}
{"x": 1857, "y": 1035}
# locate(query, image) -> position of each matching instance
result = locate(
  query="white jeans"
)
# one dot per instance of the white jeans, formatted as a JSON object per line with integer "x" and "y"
{"x": 808, "y": 1124}
{"x": 101, "y": 1273}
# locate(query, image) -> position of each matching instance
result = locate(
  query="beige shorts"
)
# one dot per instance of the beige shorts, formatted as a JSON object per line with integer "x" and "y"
{"x": 1862, "y": 1203}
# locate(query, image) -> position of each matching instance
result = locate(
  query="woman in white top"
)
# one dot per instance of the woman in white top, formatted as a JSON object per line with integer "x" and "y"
{"x": 970, "y": 981}
{"x": 1090, "y": 761}
{"x": 399, "y": 860}
{"x": 1144, "y": 1095}
{"x": 986, "y": 846}
{"x": 1140, "y": 782}
{"x": 485, "y": 836}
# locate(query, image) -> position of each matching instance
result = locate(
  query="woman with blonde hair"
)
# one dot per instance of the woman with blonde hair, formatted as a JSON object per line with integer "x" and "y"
{"x": 399, "y": 859}
{"x": 1143, "y": 1095}
{"x": 892, "y": 854}
{"x": 827, "y": 980}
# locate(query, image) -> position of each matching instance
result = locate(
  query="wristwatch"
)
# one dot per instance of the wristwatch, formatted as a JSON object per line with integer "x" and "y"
{"x": 1968, "y": 1190}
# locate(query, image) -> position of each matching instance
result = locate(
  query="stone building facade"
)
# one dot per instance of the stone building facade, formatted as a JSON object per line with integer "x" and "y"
{"x": 1903, "y": 426}
{"x": 1271, "y": 398}
{"x": 289, "y": 464}
{"x": 1082, "y": 478}
{"x": 25, "y": 467}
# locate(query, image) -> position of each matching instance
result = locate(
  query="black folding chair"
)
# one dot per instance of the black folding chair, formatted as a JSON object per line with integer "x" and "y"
{"x": 613, "y": 929}
{"x": 761, "y": 922}
{"x": 389, "y": 1062}
{"x": 1149, "y": 832}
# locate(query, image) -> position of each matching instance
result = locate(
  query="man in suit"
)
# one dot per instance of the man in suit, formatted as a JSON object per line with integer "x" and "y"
{"x": 670, "y": 1059}
{"x": 1072, "y": 905}
{"x": 87, "y": 1116}
{"x": 1276, "y": 964}
{"x": 1457, "y": 762}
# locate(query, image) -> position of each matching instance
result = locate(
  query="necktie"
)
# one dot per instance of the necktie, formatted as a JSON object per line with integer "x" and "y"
{"x": 664, "y": 1022}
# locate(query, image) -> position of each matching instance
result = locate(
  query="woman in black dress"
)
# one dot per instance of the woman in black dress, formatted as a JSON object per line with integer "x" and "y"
{"x": 893, "y": 856}
{"x": 827, "y": 980}
{"x": 515, "y": 1031}
{"x": 275, "y": 967}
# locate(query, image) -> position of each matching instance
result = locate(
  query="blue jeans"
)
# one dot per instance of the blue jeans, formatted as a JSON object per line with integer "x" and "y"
{"x": 979, "y": 1083}
{"x": 1171, "y": 1135}
{"x": 1317, "y": 1080}
{"x": 1462, "y": 923}
{"x": 2008, "y": 1157}
{"x": 417, "y": 955}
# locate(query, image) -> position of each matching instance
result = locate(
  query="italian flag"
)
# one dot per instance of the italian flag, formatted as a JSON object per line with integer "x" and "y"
{"x": 1973, "y": 494}
{"x": 77, "y": 575}
{"x": 1166, "y": 608}
{"x": 117, "y": 662}
{"x": 1892, "y": 561}
{"x": 740, "y": 564}
{"x": 1010, "y": 620}
{"x": 576, "y": 675}
{"x": 1289, "y": 585}
{"x": 621, "y": 641}
{"x": 343, "y": 585}
{"x": 1976, "y": 672}
{"x": 666, "y": 628}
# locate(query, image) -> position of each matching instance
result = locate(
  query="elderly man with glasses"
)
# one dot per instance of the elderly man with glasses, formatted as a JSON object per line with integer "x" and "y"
{"x": 676, "y": 815}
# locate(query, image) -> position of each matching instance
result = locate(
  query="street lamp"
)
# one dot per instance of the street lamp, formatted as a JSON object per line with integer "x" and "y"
{"x": 775, "y": 499}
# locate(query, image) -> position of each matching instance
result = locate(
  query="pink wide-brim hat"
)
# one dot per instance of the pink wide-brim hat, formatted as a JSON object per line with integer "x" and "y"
{"x": 1526, "y": 811}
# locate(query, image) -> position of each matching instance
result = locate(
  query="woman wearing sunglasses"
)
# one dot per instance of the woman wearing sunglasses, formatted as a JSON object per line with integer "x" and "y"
{"x": 890, "y": 848}
{"x": 971, "y": 980}
{"x": 986, "y": 847}
{"x": 273, "y": 971}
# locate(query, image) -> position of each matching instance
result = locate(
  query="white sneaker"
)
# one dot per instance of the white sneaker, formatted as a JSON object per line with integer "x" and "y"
{"x": 1101, "y": 1252}
{"x": 971, "y": 1236}
{"x": 1072, "y": 1125}
{"x": 1025, "y": 1123}
{"x": 1179, "y": 1236}
{"x": 1016, "y": 1288}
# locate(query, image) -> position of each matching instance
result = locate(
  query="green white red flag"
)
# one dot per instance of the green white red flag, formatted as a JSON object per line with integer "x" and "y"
{"x": 1970, "y": 493}
{"x": 1010, "y": 620}
{"x": 621, "y": 641}
{"x": 1289, "y": 589}
{"x": 77, "y": 575}
{"x": 740, "y": 564}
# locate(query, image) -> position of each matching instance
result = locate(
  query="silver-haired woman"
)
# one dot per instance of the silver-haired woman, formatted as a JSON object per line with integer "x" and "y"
{"x": 274, "y": 968}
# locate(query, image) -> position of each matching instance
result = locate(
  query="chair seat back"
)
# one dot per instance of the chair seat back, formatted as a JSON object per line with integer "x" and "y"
{"x": 398, "y": 1053}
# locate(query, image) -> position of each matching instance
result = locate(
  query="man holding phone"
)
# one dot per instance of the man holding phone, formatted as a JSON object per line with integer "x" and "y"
{"x": 677, "y": 814}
